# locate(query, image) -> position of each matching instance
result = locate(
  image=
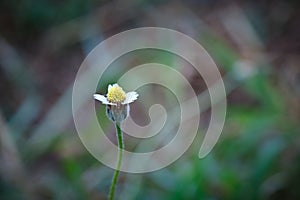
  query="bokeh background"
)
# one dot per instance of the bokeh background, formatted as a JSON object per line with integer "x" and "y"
{"x": 256, "y": 46}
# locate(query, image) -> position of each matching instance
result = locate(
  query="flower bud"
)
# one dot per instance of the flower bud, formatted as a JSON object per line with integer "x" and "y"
{"x": 117, "y": 113}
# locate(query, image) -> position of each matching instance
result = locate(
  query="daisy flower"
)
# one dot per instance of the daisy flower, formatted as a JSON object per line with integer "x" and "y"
{"x": 117, "y": 102}
{"x": 117, "y": 109}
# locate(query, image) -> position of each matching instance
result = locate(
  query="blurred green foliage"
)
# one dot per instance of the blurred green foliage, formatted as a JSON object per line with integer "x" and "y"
{"x": 257, "y": 156}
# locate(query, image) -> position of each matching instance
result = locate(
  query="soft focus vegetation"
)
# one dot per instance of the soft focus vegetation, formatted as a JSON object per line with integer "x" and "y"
{"x": 255, "y": 45}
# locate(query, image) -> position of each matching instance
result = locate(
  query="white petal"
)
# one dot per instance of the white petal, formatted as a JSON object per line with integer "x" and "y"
{"x": 116, "y": 84}
{"x": 109, "y": 87}
{"x": 101, "y": 98}
{"x": 130, "y": 97}
{"x": 112, "y": 85}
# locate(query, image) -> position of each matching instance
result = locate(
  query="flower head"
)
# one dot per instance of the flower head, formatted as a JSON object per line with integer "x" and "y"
{"x": 117, "y": 102}
{"x": 116, "y": 94}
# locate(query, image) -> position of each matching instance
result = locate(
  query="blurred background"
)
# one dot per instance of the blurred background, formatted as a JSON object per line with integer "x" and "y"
{"x": 256, "y": 46}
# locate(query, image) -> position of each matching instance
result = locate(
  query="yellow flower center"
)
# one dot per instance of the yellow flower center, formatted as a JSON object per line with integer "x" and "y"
{"x": 116, "y": 94}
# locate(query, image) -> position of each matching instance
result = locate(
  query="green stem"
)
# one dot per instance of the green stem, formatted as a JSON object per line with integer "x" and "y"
{"x": 116, "y": 174}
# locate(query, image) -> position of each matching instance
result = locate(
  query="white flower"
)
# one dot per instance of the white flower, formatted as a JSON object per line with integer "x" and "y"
{"x": 116, "y": 95}
{"x": 117, "y": 102}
